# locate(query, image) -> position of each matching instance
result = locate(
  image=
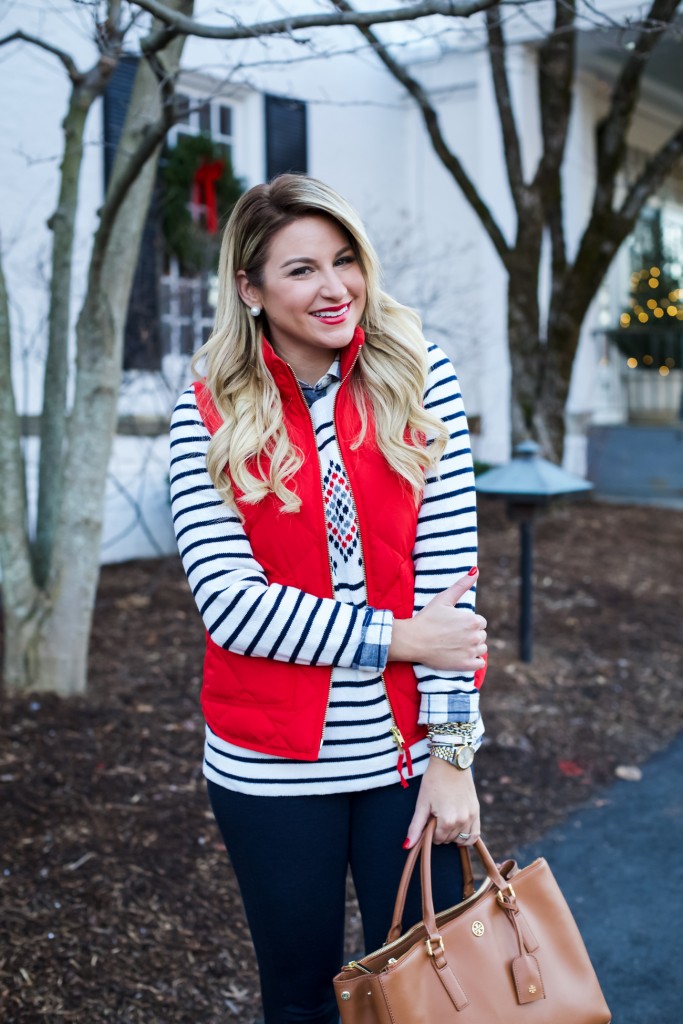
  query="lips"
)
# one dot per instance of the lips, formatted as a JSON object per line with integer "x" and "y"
{"x": 331, "y": 314}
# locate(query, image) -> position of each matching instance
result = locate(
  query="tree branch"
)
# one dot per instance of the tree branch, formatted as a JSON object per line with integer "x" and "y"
{"x": 431, "y": 120}
{"x": 613, "y": 129}
{"x": 657, "y": 169}
{"x": 67, "y": 60}
{"x": 409, "y": 12}
{"x": 506, "y": 114}
{"x": 150, "y": 141}
{"x": 556, "y": 69}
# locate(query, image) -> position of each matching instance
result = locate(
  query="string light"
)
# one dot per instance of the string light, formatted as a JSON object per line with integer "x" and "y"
{"x": 659, "y": 313}
{"x": 664, "y": 371}
{"x": 648, "y": 360}
{"x": 632, "y": 362}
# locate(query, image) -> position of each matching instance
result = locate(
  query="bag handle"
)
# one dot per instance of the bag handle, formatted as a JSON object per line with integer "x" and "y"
{"x": 424, "y": 845}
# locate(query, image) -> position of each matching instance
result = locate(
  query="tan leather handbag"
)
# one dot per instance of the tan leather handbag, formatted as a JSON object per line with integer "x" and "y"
{"x": 509, "y": 953}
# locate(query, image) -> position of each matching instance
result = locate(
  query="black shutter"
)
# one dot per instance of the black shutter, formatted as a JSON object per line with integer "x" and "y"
{"x": 142, "y": 339}
{"x": 286, "y": 140}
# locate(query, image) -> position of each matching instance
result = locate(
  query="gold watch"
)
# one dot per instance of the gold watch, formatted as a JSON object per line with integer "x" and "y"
{"x": 460, "y": 756}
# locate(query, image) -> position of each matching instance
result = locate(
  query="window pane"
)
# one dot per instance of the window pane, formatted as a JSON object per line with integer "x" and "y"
{"x": 183, "y": 108}
{"x": 225, "y": 120}
{"x": 205, "y": 119}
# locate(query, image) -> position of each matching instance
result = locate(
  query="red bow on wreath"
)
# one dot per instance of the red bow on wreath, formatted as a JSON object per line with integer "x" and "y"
{"x": 204, "y": 192}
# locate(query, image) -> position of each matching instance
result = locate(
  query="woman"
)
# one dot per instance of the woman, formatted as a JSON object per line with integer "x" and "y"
{"x": 323, "y": 502}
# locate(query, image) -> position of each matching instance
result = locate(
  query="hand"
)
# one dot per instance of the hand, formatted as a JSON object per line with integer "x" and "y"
{"x": 450, "y": 796}
{"x": 441, "y": 635}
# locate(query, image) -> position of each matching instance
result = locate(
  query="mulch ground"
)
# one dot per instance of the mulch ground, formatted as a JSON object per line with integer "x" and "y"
{"x": 116, "y": 899}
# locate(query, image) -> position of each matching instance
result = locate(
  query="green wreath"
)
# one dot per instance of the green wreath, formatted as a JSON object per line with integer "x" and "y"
{"x": 195, "y": 247}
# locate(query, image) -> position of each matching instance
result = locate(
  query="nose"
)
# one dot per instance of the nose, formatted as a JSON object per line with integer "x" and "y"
{"x": 332, "y": 285}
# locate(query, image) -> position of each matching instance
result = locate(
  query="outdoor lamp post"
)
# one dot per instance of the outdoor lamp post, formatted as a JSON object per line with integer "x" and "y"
{"x": 527, "y": 484}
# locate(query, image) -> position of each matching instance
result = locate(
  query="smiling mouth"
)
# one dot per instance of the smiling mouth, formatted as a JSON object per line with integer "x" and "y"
{"x": 332, "y": 312}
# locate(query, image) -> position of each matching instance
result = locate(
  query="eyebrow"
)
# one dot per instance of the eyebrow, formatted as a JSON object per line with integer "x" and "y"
{"x": 309, "y": 259}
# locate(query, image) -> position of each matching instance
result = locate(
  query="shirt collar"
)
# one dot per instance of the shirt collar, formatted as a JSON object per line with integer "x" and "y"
{"x": 312, "y": 392}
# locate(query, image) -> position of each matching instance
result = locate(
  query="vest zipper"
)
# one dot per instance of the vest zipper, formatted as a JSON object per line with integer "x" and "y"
{"x": 404, "y": 757}
{"x": 403, "y": 751}
{"x": 327, "y": 547}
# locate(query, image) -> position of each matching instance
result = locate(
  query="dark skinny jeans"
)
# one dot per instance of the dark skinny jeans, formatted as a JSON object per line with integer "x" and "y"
{"x": 290, "y": 856}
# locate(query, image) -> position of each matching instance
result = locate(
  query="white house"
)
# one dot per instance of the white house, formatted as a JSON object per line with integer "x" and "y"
{"x": 334, "y": 112}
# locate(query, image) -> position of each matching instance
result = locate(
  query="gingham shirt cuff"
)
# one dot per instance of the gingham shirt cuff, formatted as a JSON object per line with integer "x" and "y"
{"x": 373, "y": 650}
{"x": 436, "y": 708}
{"x": 457, "y": 706}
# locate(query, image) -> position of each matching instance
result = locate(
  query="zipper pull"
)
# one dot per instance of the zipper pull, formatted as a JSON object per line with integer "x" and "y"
{"x": 404, "y": 758}
{"x": 397, "y": 737}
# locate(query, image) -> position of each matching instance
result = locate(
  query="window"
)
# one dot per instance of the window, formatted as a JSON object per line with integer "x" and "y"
{"x": 142, "y": 348}
{"x": 188, "y": 303}
{"x": 168, "y": 314}
{"x": 209, "y": 117}
{"x": 286, "y": 136}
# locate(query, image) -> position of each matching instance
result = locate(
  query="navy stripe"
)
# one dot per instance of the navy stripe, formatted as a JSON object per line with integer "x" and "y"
{"x": 326, "y": 634}
{"x": 196, "y": 508}
{"x": 245, "y": 618}
{"x": 194, "y": 526}
{"x": 283, "y": 632}
{"x": 305, "y": 631}
{"x": 264, "y": 625}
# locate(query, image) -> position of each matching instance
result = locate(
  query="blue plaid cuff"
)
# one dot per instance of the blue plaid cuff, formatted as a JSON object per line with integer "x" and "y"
{"x": 449, "y": 707}
{"x": 373, "y": 649}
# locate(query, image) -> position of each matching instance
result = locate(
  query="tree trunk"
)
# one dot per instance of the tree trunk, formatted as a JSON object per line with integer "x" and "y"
{"x": 53, "y": 419}
{"x": 526, "y": 351}
{"x": 50, "y": 635}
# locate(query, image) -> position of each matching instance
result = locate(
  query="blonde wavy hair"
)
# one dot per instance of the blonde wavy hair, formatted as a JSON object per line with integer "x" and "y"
{"x": 252, "y": 451}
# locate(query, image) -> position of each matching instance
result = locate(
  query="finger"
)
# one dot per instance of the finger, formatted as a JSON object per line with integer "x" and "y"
{"x": 452, "y": 594}
{"x": 416, "y": 827}
{"x": 468, "y": 835}
{"x": 481, "y": 621}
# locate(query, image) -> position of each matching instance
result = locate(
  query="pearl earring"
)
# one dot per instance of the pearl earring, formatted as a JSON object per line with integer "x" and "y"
{"x": 255, "y": 310}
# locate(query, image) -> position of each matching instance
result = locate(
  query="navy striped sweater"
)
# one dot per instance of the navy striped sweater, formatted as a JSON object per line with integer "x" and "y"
{"x": 246, "y": 615}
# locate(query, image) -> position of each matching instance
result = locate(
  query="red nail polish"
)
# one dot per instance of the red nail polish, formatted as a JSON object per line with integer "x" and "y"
{"x": 406, "y": 844}
{"x": 472, "y": 571}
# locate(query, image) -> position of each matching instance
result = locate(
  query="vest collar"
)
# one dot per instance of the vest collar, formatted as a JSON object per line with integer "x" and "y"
{"x": 283, "y": 375}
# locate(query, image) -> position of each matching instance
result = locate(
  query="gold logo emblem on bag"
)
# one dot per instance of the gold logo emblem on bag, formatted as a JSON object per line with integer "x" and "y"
{"x": 346, "y": 995}
{"x": 532, "y": 990}
{"x": 478, "y": 928}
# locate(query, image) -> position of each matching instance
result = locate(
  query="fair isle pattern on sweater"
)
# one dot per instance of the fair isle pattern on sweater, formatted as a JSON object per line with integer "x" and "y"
{"x": 241, "y": 611}
{"x": 341, "y": 518}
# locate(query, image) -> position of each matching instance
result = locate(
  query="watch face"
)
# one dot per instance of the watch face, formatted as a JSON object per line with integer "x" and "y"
{"x": 464, "y": 757}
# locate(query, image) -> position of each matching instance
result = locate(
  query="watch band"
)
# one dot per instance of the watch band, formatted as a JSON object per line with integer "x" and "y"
{"x": 460, "y": 756}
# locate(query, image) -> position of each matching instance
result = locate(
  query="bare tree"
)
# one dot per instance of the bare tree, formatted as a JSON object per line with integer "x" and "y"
{"x": 542, "y": 349}
{"x": 49, "y": 581}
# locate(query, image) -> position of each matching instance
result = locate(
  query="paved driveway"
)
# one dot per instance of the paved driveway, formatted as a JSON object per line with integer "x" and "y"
{"x": 620, "y": 867}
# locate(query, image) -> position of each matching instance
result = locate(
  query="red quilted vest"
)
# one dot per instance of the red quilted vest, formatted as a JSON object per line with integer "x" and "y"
{"x": 277, "y": 707}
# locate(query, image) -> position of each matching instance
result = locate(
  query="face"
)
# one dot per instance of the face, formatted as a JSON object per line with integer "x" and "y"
{"x": 313, "y": 293}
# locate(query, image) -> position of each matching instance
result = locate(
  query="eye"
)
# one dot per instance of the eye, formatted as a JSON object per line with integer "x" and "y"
{"x": 344, "y": 260}
{"x": 300, "y": 271}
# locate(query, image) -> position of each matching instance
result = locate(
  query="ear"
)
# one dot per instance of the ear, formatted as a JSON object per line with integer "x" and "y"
{"x": 249, "y": 294}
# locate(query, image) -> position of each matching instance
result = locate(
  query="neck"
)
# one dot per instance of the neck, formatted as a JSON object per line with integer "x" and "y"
{"x": 307, "y": 369}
